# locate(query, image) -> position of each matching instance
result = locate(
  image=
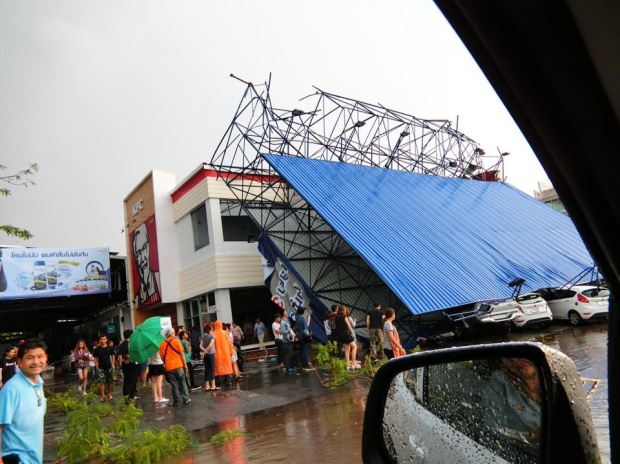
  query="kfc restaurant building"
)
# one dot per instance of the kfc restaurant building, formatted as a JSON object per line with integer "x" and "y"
{"x": 190, "y": 252}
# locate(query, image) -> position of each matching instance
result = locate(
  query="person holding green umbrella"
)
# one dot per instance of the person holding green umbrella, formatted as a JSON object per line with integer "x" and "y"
{"x": 145, "y": 341}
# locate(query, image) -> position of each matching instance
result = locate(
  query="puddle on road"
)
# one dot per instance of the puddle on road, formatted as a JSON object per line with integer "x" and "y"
{"x": 328, "y": 428}
{"x": 325, "y": 429}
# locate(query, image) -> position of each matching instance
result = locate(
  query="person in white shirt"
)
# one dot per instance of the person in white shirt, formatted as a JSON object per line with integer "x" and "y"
{"x": 277, "y": 336}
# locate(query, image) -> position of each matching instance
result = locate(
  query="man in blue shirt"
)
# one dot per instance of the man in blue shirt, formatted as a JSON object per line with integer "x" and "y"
{"x": 22, "y": 407}
{"x": 259, "y": 334}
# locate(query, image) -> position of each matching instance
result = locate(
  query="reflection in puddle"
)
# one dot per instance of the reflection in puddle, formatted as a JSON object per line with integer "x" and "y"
{"x": 328, "y": 428}
{"x": 324, "y": 429}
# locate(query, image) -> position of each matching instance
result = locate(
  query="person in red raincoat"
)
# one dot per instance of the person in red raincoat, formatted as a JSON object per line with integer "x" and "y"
{"x": 223, "y": 355}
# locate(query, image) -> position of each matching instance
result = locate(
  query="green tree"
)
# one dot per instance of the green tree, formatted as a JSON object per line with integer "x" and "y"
{"x": 22, "y": 178}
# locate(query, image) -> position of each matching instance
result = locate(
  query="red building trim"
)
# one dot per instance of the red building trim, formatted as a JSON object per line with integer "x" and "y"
{"x": 204, "y": 173}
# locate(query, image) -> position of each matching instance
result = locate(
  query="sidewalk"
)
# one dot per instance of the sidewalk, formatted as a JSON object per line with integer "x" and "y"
{"x": 263, "y": 387}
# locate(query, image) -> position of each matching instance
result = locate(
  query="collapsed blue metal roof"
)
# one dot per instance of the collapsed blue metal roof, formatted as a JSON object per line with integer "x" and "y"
{"x": 439, "y": 242}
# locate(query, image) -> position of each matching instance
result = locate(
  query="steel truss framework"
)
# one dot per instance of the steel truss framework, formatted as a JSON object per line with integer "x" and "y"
{"x": 340, "y": 129}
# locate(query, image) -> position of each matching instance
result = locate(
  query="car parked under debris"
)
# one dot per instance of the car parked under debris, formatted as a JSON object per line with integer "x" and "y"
{"x": 577, "y": 303}
{"x": 491, "y": 315}
{"x": 533, "y": 311}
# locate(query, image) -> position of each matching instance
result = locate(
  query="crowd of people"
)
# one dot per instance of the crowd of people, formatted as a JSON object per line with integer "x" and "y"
{"x": 21, "y": 412}
{"x": 383, "y": 338}
{"x": 219, "y": 349}
{"x": 177, "y": 358}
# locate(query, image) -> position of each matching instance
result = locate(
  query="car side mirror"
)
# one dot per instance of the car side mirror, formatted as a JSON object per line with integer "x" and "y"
{"x": 508, "y": 402}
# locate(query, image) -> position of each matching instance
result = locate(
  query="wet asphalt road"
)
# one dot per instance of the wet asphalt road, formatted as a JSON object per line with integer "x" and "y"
{"x": 293, "y": 418}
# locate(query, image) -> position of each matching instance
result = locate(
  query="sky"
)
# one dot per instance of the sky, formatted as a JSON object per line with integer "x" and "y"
{"x": 99, "y": 93}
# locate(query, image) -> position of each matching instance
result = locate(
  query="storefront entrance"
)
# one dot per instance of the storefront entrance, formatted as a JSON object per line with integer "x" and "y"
{"x": 248, "y": 304}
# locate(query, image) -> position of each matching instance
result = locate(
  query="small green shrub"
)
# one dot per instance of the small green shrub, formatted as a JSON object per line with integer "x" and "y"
{"x": 326, "y": 353}
{"x": 340, "y": 373}
{"x": 111, "y": 432}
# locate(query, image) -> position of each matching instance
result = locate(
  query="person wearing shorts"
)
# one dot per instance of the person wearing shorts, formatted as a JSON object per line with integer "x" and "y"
{"x": 156, "y": 372}
{"x": 82, "y": 363}
{"x": 207, "y": 346}
{"x": 104, "y": 362}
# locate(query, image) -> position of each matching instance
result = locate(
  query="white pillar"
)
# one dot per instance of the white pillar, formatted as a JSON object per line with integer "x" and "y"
{"x": 224, "y": 307}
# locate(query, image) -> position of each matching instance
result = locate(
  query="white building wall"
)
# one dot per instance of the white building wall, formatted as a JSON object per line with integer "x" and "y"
{"x": 221, "y": 271}
{"x": 187, "y": 273}
{"x": 167, "y": 243}
{"x": 219, "y": 265}
{"x": 179, "y": 308}
{"x": 185, "y": 240}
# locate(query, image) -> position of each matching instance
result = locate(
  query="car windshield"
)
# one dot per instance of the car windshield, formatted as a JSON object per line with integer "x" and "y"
{"x": 528, "y": 298}
{"x": 596, "y": 292}
{"x": 558, "y": 293}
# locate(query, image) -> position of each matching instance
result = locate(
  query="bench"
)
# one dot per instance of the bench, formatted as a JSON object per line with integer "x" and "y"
{"x": 253, "y": 350}
{"x": 250, "y": 352}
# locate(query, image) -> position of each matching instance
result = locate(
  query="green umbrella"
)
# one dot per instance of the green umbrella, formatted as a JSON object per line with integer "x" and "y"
{"x": 145, "y": 341}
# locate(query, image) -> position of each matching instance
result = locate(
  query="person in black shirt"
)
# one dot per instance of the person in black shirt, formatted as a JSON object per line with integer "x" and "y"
{"x": 104, "y": 361}
{"x": 374, "y": 324}
{"x": 114, "y": 347}
{"x": 131, "y": 370}
{"x": 8, "y": 365}
{"x": 194, "y": 339}
{"x": 345, "y": 336}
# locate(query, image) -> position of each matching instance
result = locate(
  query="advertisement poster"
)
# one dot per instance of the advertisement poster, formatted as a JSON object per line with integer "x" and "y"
{"x": 52, "y": 272}
{"x": 286, "y": 291}
{"x": 145, "y": 264}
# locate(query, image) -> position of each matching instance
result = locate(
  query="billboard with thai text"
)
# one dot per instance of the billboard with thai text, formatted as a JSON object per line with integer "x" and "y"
{"x": 53, "y": 272}
{"x": 286, "y": 290}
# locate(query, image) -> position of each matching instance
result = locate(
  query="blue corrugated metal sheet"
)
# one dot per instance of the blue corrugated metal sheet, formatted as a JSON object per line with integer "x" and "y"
{"x": 439, "y": 242}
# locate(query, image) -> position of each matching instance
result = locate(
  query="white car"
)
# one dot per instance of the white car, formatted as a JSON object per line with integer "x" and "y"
{"x": 496, "y": 311}
{"x": 533, "y": 311}
{"x": 578, "y": 303}
{"x": 483, "y": 316}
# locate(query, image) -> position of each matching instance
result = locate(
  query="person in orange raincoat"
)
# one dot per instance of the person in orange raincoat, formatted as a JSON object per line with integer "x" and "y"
{"x": 223, "y": 354}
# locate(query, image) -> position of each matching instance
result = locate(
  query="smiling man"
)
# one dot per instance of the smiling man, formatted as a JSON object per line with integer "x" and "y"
{"x": 22, "y": 407}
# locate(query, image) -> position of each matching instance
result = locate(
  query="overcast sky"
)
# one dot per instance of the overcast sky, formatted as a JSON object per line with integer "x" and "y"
{"x": 98, "y": 93}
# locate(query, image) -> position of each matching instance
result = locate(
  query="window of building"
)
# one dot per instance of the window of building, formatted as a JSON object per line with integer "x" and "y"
{"x": 209, "y": 313}
{"x": 191, "y": 313}
{"x": 196, "y": 311}
{"x": 200, "y": 227}
{"x": 236, "y": 224}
